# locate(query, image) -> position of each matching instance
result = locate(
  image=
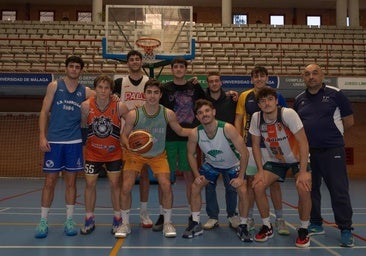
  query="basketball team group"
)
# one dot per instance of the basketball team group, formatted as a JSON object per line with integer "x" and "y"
{"x": 250, "y": 139}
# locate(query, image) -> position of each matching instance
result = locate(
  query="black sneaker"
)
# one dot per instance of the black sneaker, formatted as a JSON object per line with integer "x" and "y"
{"x": 243, "y": 234}
{"x": 264, "y": 233}
{"x": 159, "y": 224}
{"x": 194, "y": 229}
{"x": 303, "y": 239}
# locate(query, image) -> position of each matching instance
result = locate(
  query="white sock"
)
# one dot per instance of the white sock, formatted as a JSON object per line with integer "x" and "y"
{"x": 69, "y": 211}
{"x": 143, "y": 206}
{"x": 196, "y": 216}
{"x": 167, "y": 215}
{"x": 125, "y": 216}
{"x": 44, "y": 212}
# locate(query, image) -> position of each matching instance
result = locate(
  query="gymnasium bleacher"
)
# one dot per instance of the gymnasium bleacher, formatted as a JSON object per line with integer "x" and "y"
{"x": 34, "y": 46}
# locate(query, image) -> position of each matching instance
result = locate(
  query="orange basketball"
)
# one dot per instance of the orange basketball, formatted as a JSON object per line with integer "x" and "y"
{"x": 140, "y": 141}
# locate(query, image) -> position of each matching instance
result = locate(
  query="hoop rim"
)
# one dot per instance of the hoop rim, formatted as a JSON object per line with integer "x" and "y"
{"x": 148, "y": 48}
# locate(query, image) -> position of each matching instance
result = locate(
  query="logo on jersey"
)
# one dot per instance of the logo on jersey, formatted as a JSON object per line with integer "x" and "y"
{"x": 102, "y": 127}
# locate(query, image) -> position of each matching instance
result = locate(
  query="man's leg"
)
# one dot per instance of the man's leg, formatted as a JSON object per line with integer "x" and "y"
{"x": 231, "y": 198}
{"x": 48, "y": 192}
{"x": 90, "y": 198}
{"x": 261, "y": 200}
{"x": 194, "y": 227}
{"x": 212, "y": 207}
{"x": 70, "y": 195}
{"x": 167, "y": 203}
{"x": 276, "y": 197}
{"x": 129, "y": 178}
{"x": 304, "y": 208}
{"x": 115, "y": 185}
{"x": 146, "y": 222}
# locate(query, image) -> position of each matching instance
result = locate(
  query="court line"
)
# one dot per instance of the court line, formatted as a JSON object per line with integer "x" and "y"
{"x": 19, "y": 195}
{"x": 117, "y": 246}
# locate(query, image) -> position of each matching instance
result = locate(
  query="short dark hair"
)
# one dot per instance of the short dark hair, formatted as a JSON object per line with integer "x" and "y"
{"x": 213, "y": 73}
{"x": 265, "y": 92}
{"x": 179, "y": 60}
{"x": 133, "y": 53}
{"x": 75, "y": 59}
{"x": 202, "y": 102}
{"x": 153, "y": 82}
{"x": 102, "y": 78}
{"x": 259, "y": 70}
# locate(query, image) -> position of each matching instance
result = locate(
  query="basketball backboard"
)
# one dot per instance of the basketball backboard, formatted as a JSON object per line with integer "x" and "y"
{"x": 160, "y": 33}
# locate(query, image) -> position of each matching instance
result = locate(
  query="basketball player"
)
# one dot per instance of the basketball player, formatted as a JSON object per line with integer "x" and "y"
{"x": 284, "y": 137}
{"x": 101, "y": 116}
{"x": 153, "y": 118}
{"x": 61, "y": 141}
{"x": 225, "y": 153}
{"x": 130, "y": 88}
{"x": 246, "y": 107}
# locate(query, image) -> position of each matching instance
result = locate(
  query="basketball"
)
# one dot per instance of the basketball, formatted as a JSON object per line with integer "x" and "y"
{"x": 140, "y": 141}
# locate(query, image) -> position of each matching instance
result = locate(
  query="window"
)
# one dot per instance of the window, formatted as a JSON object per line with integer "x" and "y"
{"x": 240, "y": 19}
{"x": 313, "y": 21}
{"x": 46, "y": 16}
{"x": 277, "y": 20}
{"x": 85, "y": 16}
{"x": 9, "y": 15}
{"x": 347, "y": 22}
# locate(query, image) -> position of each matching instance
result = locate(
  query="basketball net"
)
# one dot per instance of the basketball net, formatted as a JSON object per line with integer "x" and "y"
{"x": 148, "y": 44}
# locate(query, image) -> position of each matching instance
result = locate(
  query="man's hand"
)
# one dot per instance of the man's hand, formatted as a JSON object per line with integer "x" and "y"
{"x": 258, "y": 177}
{"x": 237, "y": 182}
{"x": 304, "y": 179}
{"x": 233, "y": 94}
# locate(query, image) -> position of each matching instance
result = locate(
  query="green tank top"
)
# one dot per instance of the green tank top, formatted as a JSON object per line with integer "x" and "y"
{"x": 156, "y": 125}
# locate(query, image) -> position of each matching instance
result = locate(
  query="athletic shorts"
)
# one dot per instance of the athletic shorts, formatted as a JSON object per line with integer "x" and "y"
{"x": 68, "y": 157}
{"x": 177, "y": 156}
{"x": 252, "y": 167}
{"x": 280, "y": 169}
{"x": 212, "y": 173}
{"x": 135, "y": 162}
{"x": 94, "y": 168}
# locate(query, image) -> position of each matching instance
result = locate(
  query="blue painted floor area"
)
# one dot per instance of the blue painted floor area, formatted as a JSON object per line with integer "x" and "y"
{"x": 20, "y": 211}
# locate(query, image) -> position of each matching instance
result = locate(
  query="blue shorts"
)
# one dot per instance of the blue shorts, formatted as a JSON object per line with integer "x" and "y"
{"x": 68, "y": 157}
{"x": 212, "y": 173}
{"x": 94, "y": 168}
{"x": 280, "y": 169}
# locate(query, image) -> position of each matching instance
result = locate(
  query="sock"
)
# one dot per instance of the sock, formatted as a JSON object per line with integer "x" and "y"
{"x": 167, "y": 215}
{"x": 250, "y": 213}
{"x": 161, "y": 210}
{"x": 243, "y": 220}
{"x": 117, "y": 214}
{"x": 278, "y": 213}
{"x": 44, "y": 212}
{"x": 125, "y": 216}
{"x": 266, "y": 221}
{"x": 196, "y": 216}
{"x": 143, "y": 206}
{"x": 69, "y": 211}
{"x": 304, "y": 223}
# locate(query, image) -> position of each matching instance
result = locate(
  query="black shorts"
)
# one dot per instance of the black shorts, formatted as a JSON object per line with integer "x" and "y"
{"x": 93, "y": 168}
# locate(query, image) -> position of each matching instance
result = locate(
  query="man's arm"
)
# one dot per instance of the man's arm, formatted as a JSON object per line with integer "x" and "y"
{"x": 89, "y": 92}
{"x": 238, "y": 141}
{"x": 84, "y": 113}
{"x": 173, "y": 122}
{"x": 239, "y": 123}
{"x": 191, "y": 151}
{"x": 348, "y": 121}
{"x": 43, "y": 116}
{"x": 129, "y": 124}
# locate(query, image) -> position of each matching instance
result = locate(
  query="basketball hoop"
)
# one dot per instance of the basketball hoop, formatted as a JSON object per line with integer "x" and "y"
{"x": 148, "y": 44}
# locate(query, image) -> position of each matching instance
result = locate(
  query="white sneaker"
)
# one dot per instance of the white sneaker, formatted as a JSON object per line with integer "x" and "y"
{"x": 146, "y": 222}
{"x": 210, "y": 224}
{"x": 123, "y": 231}
{"x": 282, "y": 229}
{"x": 234, "y": 221}
{"x": 169, "y": 230}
